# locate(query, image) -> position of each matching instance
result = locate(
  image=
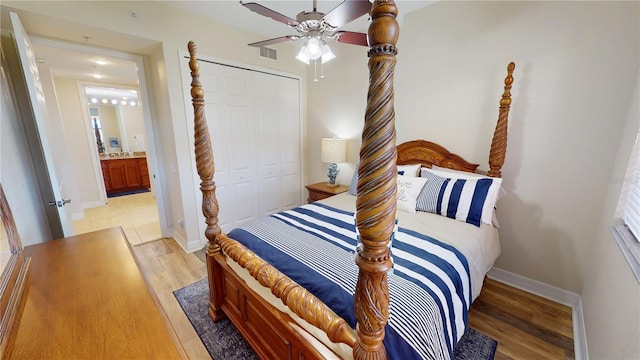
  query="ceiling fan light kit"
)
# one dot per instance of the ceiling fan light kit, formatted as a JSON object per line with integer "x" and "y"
{"x": 316, "y": 26}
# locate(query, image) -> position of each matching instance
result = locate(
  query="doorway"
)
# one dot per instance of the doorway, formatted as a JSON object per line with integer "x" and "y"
{"x": 70, "y": 95}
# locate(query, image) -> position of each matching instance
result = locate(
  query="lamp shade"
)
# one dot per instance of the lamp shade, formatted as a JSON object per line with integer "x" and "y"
{"x": 334, "y": 150}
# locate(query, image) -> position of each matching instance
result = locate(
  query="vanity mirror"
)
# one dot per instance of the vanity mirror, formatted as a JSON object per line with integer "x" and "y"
{"x": 115, "y": 117}
{"x": 15, "y": 268}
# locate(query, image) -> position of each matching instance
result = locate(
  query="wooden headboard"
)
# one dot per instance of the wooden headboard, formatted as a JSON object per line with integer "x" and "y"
{"x": 428, "y": 153}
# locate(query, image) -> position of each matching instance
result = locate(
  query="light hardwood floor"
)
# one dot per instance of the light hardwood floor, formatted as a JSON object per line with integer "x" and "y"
{"x": 526, "y": 326}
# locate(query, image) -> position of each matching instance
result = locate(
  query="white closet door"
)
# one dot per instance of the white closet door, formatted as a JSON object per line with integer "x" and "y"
{"x": 290, "y": 154}
{"x": 240, "y": 143}
{"x": 277, "y": 120}
{"x": 254, "y": 122}
{"x": 267, "y": 130}
{"x": 212, "y": 76}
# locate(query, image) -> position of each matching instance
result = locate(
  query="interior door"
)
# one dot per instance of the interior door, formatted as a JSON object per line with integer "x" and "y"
{"x": 51, "y": 188}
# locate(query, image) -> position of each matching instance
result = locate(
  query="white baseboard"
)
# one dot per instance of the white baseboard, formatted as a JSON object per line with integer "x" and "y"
{"x": 553, "y": 293}
{"x": 187, "y": 246}
{"x": 91, "y": 204}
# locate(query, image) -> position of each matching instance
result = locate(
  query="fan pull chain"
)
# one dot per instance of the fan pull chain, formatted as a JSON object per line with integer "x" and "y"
{"x": 321, "y": 70}
{"x": 315, "y": 70}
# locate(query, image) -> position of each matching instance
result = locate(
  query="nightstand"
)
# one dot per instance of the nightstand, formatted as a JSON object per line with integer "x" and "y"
{"x": 322, "y": 190}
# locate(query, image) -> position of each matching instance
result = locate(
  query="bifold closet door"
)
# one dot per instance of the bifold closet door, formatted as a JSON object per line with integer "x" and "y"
{"x": 277, "y": 134}
{"x": 254, "y": 122}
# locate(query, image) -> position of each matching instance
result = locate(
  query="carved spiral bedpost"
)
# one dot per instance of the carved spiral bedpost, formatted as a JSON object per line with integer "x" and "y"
{"x": 206, "y": 169}
{"x": 499, "y": 142}
{"x": 376, "y": 200}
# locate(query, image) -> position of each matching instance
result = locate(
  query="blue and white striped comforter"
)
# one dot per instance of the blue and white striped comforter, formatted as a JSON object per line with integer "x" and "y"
{"x": 429, "y": 287}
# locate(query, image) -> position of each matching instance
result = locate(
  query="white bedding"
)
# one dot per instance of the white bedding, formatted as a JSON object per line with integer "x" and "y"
{"x": 480, "y": 245}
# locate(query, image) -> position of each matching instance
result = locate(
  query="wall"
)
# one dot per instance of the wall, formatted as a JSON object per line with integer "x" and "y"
{"x": 133, "y": 122}
{"x": 172, "y": 29}
{"x": 336, "y": 106}
{"x": 615, "y": 332}
{"x": 576, "y": 66}
{"x": 447, "y": 89}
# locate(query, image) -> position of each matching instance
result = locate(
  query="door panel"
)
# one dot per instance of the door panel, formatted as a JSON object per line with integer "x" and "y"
{"x": 250, "y": 126}
{"x": 51, "y": 187}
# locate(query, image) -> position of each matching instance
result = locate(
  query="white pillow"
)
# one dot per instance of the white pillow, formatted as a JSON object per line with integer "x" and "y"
{"x": 489, "y": 201}
{"x": 409, "y": 188}
{"x": 409, "y": 170}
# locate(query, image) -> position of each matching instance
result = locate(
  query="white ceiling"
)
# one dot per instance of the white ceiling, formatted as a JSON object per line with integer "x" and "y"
{"x": 82, "y": 66}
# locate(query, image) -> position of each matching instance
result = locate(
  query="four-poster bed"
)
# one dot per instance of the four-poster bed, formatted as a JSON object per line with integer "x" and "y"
{"x": 282, "y": 319}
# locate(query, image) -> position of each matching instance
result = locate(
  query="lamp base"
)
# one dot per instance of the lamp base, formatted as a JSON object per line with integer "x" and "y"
{"x": 332, "y": 185}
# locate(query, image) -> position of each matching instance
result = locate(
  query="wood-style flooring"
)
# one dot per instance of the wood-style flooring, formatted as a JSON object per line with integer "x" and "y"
{"x": 526, "y": 326}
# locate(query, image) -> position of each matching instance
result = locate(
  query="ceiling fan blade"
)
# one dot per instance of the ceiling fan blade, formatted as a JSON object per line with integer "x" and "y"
{"x": 257, "y": 8}
{"x": 350, "y": 37}
{"x": 346, "y": 12}
{"x": 274, "y": 40}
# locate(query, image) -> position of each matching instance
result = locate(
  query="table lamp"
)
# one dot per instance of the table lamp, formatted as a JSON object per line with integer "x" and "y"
{"x": 334, "y": 151}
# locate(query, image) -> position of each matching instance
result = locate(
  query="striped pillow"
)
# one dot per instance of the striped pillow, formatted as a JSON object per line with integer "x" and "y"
{"x": 467, "y": 200}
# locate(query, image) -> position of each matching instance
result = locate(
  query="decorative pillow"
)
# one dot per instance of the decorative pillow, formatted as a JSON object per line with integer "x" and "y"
{"x": 409, "y": 188}
{"x": 409, "y": 170}
{"x": 496, "y": 188}
{"x": 353, "y": 186}
{"x": 470, "y": 200}
{"x": 462, "y": 175}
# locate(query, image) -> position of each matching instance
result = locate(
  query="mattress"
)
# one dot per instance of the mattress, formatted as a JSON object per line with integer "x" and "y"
{"x": 479, "y": 246}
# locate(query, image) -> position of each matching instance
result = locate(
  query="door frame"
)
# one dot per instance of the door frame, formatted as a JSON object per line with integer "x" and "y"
{"x": 143, "y": 97}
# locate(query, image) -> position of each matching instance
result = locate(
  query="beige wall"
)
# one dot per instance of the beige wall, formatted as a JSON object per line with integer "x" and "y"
{"x": 611, "y": 295}
{"x": 576, "y": 66}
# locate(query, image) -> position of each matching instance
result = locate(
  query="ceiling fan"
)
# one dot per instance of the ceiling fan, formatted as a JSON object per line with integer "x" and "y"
{"x": 317, "y": 25}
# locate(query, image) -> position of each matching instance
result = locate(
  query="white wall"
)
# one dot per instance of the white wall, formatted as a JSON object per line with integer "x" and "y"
{"x": 570, "y": 97}
{"x": 611, "y": 296}
{"x": 133, "y": 122}
{"x": 576, "y": 66}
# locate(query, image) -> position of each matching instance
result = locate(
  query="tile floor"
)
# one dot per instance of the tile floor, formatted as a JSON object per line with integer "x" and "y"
{"x": 137, "y": 214}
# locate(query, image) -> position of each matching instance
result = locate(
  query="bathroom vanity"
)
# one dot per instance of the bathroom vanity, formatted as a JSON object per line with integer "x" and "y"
{"x": 123, "y": 173}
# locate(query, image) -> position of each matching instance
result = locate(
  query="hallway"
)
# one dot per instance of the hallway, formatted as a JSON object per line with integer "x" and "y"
{"x": 137, "y": 215}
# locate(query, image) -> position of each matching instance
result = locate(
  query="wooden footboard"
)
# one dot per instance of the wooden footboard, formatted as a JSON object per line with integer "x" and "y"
{"x": 270, "y": 332}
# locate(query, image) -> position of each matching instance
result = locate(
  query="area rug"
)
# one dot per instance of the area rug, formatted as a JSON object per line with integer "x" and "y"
{"x": 223, "y": 341}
